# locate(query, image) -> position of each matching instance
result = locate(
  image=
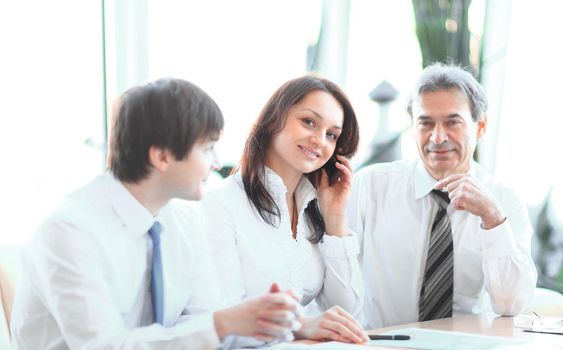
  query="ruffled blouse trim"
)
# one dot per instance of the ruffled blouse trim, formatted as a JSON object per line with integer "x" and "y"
{"x": 298, "y": 252}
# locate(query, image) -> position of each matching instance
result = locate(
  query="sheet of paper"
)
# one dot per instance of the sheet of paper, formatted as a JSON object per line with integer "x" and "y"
{"x": 333, "y": 345}
{"x": 443, "y": 340}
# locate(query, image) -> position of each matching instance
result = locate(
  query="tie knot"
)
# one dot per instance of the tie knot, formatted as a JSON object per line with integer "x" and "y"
{"x": 155, "y": 231}
{"x": 441, "y": 197}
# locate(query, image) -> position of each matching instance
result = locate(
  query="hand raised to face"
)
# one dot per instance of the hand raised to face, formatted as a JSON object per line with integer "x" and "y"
{"x": 333, "y": 197}
{"x": 466, "y": 194}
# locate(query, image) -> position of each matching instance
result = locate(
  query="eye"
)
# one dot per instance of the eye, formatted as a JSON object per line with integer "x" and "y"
{"x": 332, "y": 135}
{"x": 454, "y": 122}
{"x": 309, "y": 122}
{"x": 424, "y": 123}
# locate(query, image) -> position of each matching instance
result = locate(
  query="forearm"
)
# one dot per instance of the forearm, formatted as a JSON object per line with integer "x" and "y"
{"x": 343, "y": 283}
{"x": 509, "y": 272}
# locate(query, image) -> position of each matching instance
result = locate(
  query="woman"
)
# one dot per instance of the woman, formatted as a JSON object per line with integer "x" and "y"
{"x": 265, "y": 224}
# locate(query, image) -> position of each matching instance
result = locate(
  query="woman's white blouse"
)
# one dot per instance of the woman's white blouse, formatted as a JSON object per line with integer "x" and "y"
{"x": 250, "y": 254}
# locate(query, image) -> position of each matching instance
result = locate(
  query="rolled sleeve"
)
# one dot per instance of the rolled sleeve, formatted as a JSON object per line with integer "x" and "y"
{"x": 340, "y": 247}
{"x": 343, "y": 280}
{"x": 498, "y": 242}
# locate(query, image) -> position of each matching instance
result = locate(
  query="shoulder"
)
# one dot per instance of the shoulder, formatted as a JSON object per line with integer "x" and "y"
{"x": 384, "y": 172}
{"x": 81, "y": 205}
{"x": 227, "y": 190}
{"x": 499, "y": 187}
{"x": 75, "y": 219}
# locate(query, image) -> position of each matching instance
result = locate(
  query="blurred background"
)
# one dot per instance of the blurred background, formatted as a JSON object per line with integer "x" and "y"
{"x": 63, "y": 62}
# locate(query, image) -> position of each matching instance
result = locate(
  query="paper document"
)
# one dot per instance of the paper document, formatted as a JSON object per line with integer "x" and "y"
{"x": 333, "y": 345}
{"x": 443, "y": 340}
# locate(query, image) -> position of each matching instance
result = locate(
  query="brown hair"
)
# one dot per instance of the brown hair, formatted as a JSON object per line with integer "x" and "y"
{"x": 270, "y": 122}
{"x": 168, "y": 113}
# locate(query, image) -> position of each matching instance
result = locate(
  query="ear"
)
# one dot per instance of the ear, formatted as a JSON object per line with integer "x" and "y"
{"x": 160, "y": 158}
{"x": 481, "y": 126}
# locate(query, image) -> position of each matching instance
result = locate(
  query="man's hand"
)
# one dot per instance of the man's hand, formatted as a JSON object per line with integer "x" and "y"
{"x": 268, "y": 317}
{"x": 466, "y": 194}
{"x": 334, "y": 324}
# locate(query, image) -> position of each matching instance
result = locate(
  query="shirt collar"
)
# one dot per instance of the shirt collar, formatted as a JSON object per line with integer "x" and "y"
{"x": 136, "y": 219}
{"x": 424, "y": 182}
{"x": 304, "y": 193}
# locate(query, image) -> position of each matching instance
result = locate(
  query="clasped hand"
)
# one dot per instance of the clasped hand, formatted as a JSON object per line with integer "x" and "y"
{"x": 269, "y": 317}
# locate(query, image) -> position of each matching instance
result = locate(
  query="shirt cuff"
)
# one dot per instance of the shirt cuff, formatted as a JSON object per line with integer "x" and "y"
{"x": 201, "y": 330}
{"x": 339, "y": 247}
{"x": 497, "y": 242}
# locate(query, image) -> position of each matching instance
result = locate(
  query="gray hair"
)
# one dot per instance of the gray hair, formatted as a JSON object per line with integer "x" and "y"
{"x": 439, "y": 76}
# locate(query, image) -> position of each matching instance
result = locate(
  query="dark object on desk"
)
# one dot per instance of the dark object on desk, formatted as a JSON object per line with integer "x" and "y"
{"x": 389, "y": 337}
{"x": 531, "y": 331}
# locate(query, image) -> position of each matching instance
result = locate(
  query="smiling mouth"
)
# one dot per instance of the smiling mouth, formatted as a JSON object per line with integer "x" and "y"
{"x": 309, "y": 152}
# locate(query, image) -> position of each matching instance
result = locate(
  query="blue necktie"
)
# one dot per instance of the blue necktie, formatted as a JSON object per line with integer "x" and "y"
{"x": 157, "y": 290}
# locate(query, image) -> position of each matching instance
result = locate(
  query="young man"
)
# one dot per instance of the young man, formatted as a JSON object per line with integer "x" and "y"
{"x": 120, "y": 264}
{"x": 437, "y": 232}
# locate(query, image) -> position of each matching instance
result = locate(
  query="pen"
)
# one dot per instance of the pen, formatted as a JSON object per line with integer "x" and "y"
{"x": 545, "y": 332}
{"x": 389, "y": 337}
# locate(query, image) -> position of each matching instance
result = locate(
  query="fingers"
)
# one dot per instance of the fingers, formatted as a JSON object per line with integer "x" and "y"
{"x": 282, "y": 317}
{"x": 281, "y": 301}
{"x": 271, "y": 329}
{"x": 447, "y": 180}
{"x": 352, "y": 323}
{"x": 345, "y": 168}
{"x": 332, "y": 335}
{"x": 274, "y": 288}
{"x": 342, "y": 331}
{"x": 345, "y": 161}
{"x": 294, "y": 294}
{"x": 465, "y": 194}
{"x": 346, "y": 320}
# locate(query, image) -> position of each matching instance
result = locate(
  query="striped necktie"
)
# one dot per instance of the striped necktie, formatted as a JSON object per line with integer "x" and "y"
{"x": 436, "y": 294}
{"x": 157, "y": 288}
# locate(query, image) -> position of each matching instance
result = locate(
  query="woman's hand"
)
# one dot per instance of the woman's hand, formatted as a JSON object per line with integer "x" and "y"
{"x": 332, "y": 198}
{"x": 333, "y": 324}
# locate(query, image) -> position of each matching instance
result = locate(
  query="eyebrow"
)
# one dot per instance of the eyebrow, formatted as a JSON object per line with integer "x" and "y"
{"x": 320, "y": 117}
{"x": 449, "y": 116}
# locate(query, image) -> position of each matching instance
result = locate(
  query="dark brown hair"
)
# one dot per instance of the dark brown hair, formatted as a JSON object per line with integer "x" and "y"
{"x": 270, "y": 122}
{"x": 169, "y": 113}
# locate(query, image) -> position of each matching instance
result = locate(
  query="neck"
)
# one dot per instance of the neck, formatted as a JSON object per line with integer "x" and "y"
{"x": 439, "y": 175}
{"x": 148, "y": 193}
{"x": 290, "y": 178}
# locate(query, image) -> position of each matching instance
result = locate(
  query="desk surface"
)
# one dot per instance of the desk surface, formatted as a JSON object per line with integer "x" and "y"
{"x": 483, "y": 324}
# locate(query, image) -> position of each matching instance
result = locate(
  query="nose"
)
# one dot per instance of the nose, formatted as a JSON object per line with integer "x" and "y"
{"x": 215, "y": 162}
{"x": 439, "y": 135}
{"x": 318, "y": 139}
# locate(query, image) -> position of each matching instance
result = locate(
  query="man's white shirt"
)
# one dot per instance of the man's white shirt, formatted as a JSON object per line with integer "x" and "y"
{"x": 86, "y": 276}
{"x": 392, "y": 211}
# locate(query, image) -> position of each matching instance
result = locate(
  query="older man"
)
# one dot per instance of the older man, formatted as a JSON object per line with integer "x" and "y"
{"x": 437, "y": 232}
